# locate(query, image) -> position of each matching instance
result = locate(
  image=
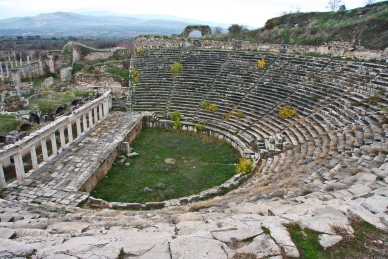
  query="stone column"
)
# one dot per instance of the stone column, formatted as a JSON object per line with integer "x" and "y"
{"x": 78, "y": 123}
{"x": 34, "y": 160}
{"x": 70, "y": 133}
{"x": 28, "y": 60}
{"x": 6, "y": 69}
{"x": 106, "y": 108}
{"x": 20, "y": 175}
{"x": 95, "y": 115}
{"x": 1, "y": 72}
{"x": 90, "y": 119}
{"x": 16, "y": 61}
{"x": 100, "y": 111}
{"x": 51, "y": 64}
{"x": 62, "y": 137}
{"x": 21, "y": 60}
{"x": 85, "y": 123}
{"x": 43, "y": 144}
{"x": 3, "y": 184}
{"x": 18, "y": 88}
{"x": 54, "y": 144}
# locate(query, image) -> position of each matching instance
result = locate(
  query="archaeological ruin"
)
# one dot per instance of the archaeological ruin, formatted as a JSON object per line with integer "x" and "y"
{"x": 317, "y": 169}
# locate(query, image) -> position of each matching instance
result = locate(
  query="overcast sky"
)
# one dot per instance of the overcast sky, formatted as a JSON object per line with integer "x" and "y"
{"x": 252, "y": 13}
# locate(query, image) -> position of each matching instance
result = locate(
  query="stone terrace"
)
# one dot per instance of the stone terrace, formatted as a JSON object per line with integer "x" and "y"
{"x": 60, "y": 179}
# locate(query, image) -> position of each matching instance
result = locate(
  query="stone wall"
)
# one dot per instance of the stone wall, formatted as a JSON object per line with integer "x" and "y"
{"x": 340, "y": 49}
{"x": 102, "y": 83}
{"x": 98, "y": 55}
{"x": 31, "y": 70}
{"x": 100, "y": 173}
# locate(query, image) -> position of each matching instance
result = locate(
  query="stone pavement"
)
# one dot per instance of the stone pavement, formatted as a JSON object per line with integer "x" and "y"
{"x": 59, "y": 179}
{"x": 51, "y": 230}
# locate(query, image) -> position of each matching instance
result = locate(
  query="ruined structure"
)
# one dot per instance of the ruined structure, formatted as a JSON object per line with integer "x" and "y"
{"x": 318, "y": 169}
{"x": 204, "y": 29}
{"x": 89, "y": 115}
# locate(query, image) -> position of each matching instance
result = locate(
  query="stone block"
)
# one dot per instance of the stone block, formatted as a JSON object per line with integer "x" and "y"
{"x": 134, "y": 206}
{"x": 327, "y": 241}
{"x": 7, "y": 233}
{"x": 154, "y": 205}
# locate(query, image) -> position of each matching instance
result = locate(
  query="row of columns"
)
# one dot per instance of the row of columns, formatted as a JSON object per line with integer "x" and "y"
{"x": 89, "y": 119}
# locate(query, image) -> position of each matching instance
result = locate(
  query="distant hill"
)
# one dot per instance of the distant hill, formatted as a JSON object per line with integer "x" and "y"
{"x": 366, "y": 26}
{"x": 99, "y": 24}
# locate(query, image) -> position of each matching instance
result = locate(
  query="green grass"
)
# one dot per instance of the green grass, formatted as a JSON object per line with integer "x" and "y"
{"x": 363, "y": 245}
{"x": 201, "y": 162}
{"x": 38, "y": 81}
{"x": 8, "y": 123}
{"x": 50, "y": 100}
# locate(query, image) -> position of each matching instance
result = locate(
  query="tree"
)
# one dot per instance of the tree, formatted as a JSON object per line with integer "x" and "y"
{"x": 218, "y": 30}
{"x": 334, "y": 4}
{"x": 176, "y": 68}
{"x": 342, "y": 8}
{"x": 245, "y": 166}
{"x": 235, "y": 29}
{"x": 369, "y": 2}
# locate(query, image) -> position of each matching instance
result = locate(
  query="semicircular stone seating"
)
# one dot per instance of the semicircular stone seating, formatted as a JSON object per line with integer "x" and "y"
{"x": 317, "y": 169}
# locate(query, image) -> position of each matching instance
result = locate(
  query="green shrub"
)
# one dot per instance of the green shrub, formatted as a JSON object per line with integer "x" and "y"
{"x": 178, "y": 124}
{"x": 245, "y": 166}
{"x": 240, "y": 114}
{"x": 176, "y": 68}
{"x": 204, "y": 104}
{"x": 199, "y": 127}
{"x": 209, "y": 106}
{"x": 176, "y": 116}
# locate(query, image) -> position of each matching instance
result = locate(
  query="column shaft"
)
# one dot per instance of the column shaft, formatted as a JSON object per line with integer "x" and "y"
{"x": 78, "y": 123}
{"x": 85, "y": 124}
{"x": 3, "y": 184}
{"x": 95, "y": 115}
{"x": 54, "y": 144}
{"x": 43, "y": 144}
{"x": 19, "y": 167}
{"x": 90, "y": 119}
{"x": 70, "y": 133}
{"x": 100, "y": 111}
{"x": 62, "y": 137}
{"x": 34, "y": 160}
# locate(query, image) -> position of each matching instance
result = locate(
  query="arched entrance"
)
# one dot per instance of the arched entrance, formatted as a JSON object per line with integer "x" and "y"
{"x": 203, "y": 29}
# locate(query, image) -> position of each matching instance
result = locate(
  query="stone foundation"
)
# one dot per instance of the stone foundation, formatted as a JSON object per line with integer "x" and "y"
{"x": 106, "y": 165}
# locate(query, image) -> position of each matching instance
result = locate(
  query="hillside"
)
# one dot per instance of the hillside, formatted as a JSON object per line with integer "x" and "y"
{"x": 100, "y": 24}
{"x": 366, "y": 26}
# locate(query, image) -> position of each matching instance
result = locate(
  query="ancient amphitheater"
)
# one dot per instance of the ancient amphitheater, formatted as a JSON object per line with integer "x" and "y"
{"x": 317, "y": 169}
